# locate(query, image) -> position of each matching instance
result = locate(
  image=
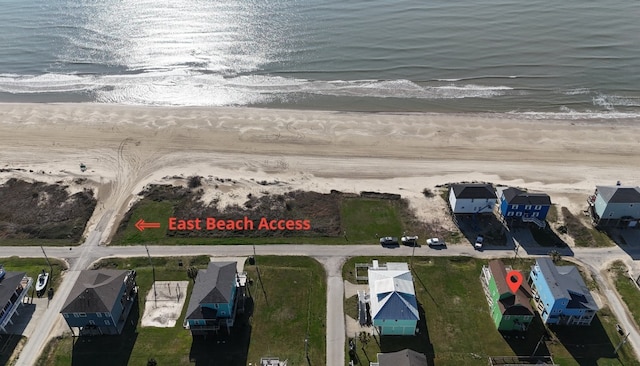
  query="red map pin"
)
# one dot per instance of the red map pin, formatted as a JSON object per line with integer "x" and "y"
{"x": 514, "y": 280}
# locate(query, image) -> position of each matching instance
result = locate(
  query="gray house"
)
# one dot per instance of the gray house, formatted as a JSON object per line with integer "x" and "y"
{"x": 615, "y": 206}
{"x": 100, "y": 301}
{"x": 406, "y": 357}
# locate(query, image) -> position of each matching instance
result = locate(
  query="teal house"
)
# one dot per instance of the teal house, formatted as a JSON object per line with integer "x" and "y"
{"x": 509, "y": 311}
{"x": 615, "y": 206}
{"x": 394, "y": 308}
{"x": 213, "y": 302}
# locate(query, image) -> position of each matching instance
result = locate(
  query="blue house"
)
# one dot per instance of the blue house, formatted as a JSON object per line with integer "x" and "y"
{"x": 213, "y": 302}
{"x": 560, "y": 294}
{"x": 394, "y": 308}
{"x": 100, "y": 301}
{"x": 615, "y": 206}
{"x": 517, "y": 206}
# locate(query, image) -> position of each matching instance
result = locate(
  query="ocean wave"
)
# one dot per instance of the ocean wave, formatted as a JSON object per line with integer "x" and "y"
{"x": 184, "y": 86}
{"x": 566, "y": 113}
{"x": 483, "y": 77}
{"x": 576, "y": 91}
{"x": 610, "y": 102}
{"x": 46, "y": 83}
{"x": 187, "y": 87}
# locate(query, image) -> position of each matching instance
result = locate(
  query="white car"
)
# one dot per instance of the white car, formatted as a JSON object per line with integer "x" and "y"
{"x": 435, "y": 242}
{"x": 409, "y": 240}
{"x": 479, "y": 242}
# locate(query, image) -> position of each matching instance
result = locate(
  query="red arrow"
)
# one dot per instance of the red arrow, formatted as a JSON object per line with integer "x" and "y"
{"x": 141, "y": 225}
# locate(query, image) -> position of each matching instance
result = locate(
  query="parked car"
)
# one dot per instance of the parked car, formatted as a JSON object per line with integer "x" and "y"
{"x": 435, "y": 242}
{"x": 387, "y": 241}
{"x": 479, "y": 242}
{"x": 409, "y": 240}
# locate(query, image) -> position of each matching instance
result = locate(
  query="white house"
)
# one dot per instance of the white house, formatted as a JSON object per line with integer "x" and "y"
{"x": 472, "y": 198}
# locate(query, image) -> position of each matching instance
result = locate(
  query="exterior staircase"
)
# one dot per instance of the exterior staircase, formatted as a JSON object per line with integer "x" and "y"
{"x": 541, "y": 224}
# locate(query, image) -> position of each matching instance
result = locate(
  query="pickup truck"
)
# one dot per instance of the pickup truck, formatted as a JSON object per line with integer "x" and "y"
{"x": 411, "y": 241}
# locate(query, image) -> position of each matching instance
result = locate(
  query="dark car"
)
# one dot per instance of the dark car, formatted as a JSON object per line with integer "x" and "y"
{"x": 389, "y": 241}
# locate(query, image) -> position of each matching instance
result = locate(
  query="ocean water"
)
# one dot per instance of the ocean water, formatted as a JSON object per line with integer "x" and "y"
{"x": 535, "y": 58}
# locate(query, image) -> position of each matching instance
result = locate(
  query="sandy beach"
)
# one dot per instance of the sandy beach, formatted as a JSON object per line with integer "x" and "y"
{"x": 126, "y": 148}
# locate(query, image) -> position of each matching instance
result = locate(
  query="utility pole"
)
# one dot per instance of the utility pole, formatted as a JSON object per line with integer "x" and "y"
{"x": 153, "y": 271}
{"x": 413, "y": 253}
{"x": 623, "y": 341}
{"x": 49, "y": 263}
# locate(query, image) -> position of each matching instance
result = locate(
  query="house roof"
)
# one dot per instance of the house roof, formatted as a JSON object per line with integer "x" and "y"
{"x": 515, "y": 196}
{"x": 95, "y": 291}
{"x": 392, "y": 293}
{"x": 8, "y": 284}
{"x": 406, "y": 357}
{"x": 619, "y": 194}
{"x": 565, "y": 282}
{"x": 212, "y": 286}
{"x": 512, "y": 304}
{"x": 473, "y": 190}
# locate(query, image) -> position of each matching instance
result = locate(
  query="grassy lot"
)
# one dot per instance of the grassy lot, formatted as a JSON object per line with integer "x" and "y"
{"x": 33, "y": 267}
{"x": 552, "y": 215}
{"x": 34, "y": 242}
{"x": 459, "y": 330}
{"x": 290, "y": 306}
{"x": 626, "y": 288}
{"x": 361, "y": 219}
{"x": 584, "y": 236}
{"x": 277, "y": 326}
{"x": 150, "y": 211}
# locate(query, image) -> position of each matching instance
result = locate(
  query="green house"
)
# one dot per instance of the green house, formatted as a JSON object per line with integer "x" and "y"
{"x": 510, "y": 312}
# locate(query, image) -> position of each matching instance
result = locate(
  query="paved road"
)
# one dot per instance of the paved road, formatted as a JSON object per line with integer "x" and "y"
{"x": 332, "y": 258}
{"x": 336, "y": 333}
{"x": 49, "y": 320}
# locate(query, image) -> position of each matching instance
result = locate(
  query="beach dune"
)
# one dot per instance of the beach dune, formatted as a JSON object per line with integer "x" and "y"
{"x": 127, "y": 147}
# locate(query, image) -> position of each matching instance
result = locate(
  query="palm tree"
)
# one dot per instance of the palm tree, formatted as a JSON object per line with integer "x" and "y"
{"x": 192, "y": 273}
{"x": 555, "y": 256}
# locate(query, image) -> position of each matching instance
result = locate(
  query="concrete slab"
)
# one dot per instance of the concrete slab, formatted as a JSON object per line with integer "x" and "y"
{"x": 163, "y": 308}
{"x": 351, "y": 289}
{"x": 26, "y": 319}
